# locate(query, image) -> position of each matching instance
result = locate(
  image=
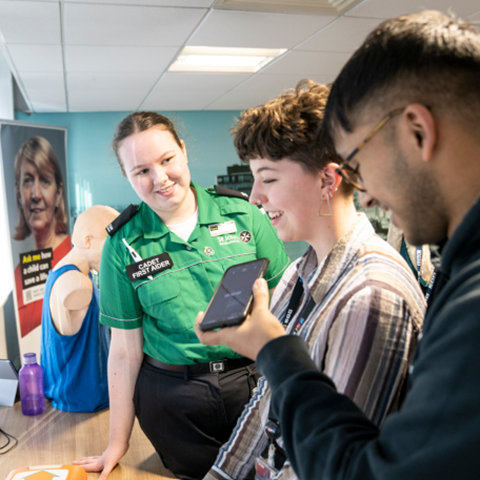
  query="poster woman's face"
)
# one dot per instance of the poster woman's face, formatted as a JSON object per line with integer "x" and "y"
{"x": 39, "y": 196}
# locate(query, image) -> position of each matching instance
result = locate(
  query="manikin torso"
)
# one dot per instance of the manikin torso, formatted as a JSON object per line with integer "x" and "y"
{"x": 72, "y": 292}
{"x": 71, "y": 295}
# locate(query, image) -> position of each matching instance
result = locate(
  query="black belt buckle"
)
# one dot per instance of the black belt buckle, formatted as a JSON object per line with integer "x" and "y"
{"x": 217, "y": 367}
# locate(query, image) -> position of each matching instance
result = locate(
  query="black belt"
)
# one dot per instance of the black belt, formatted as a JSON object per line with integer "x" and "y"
{"x": 218, "y": 366}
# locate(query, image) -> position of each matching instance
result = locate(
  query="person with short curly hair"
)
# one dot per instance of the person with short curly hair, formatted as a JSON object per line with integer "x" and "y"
{"x": 350, "y": 297}
{"x": 404, "y": 115}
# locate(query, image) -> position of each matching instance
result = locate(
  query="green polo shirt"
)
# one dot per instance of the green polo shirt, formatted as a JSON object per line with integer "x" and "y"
{"x": 166, "y": 307}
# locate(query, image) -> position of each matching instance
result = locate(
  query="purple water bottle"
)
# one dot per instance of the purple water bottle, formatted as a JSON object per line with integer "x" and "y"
{"x": 31, "y": 386}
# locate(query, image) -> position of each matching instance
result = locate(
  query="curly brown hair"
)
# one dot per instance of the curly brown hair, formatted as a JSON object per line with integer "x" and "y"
{"x": 288, "y": 127}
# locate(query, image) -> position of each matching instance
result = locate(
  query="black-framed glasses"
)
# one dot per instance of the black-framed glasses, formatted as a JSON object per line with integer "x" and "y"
{"x": 352, "y": 175}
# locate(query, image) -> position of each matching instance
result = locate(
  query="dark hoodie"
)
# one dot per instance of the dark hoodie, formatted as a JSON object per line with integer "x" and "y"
{"x": 436, "y": 433}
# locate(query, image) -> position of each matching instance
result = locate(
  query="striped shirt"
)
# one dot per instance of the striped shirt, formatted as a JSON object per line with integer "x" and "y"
{"x": 367, "y": 315}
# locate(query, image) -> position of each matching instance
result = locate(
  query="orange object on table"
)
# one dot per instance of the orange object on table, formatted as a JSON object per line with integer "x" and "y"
{"x": 48, "y": 472}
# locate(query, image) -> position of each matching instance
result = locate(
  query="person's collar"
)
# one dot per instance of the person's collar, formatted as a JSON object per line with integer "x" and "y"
{"x": 153, "y": 227}
{"x": 464, "y": 241}
{"x": 342, "y": 254}
{"x": 209, "y": 212}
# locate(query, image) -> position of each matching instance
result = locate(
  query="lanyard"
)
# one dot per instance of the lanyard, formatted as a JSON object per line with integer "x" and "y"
{"x": 293, "y": 306}
{"x": 272, "y": 428}
{"x": 418, "y": 256}
{"x": 430, "y": 285}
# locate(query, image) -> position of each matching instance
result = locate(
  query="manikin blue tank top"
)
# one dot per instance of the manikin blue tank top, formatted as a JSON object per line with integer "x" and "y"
{"x": 74, "y": 366}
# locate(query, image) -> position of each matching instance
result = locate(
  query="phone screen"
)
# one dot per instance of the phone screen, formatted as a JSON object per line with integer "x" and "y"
{"x": 233, "y": 296}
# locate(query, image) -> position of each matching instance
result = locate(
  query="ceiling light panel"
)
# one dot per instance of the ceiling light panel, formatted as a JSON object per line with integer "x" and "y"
{"x": 223, "y": 59}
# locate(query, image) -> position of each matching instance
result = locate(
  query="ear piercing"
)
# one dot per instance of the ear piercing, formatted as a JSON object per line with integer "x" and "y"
{"x": 328, "y": 196}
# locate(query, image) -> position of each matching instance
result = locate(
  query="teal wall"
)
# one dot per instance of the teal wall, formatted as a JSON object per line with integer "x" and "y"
{"x": 94, "y": 177}
{"x": 93, "y": 172}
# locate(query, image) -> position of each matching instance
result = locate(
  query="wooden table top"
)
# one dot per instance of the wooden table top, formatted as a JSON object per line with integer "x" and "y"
{"x": 56, "y": 437}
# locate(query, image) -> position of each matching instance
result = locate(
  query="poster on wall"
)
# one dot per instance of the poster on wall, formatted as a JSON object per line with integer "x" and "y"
{"x": 34, "y": 173}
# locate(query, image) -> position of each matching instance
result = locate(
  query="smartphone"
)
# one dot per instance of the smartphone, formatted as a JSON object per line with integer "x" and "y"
{"x": 233, "y": 297}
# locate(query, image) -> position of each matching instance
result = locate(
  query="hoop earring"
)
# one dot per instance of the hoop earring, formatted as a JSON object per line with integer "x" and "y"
{"x": 330, "y": 213}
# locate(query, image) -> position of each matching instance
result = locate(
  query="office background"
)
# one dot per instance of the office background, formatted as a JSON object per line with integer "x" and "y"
{"x": 85, "y": 64}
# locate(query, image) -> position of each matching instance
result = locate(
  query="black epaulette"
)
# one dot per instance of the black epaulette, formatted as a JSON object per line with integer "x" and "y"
{"x": 122, "y": 219}
{"x": 228, "y": 192}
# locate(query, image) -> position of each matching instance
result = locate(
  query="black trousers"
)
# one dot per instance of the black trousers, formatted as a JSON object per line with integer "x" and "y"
{"x": 189, "y": 417}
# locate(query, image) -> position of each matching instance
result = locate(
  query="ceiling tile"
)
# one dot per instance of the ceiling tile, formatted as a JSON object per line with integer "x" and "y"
{"x": 307, "y": 64}
{"x": 184, "y": 100}
{"x": 46, "y": 91}
{"x": 201, "y": 81}
{"x": 190, "y": 91}
{"x": 107, "y": 91}
{"x": 278, "y": 83}
{"x": 394, "y": 8}
{"x": 30, "y": 22}
{"x": 475, "y": 19}
{"x": 118, "y": 59}
{"x": 239, "y": 101}
{"x": 156, "y": 3}
{"x": 258, "y": 90}
{"x": 36, "y": 58}
{"x": 343, "y": 35}
{"x": 261, "y": 30}
{"x": 89, "y": 24}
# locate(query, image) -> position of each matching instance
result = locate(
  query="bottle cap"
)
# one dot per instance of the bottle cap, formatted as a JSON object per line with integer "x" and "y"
{"x": 29, "y": 358}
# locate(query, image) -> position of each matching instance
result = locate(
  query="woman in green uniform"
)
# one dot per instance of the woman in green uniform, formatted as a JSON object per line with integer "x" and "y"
{"x": 160, "y": 266}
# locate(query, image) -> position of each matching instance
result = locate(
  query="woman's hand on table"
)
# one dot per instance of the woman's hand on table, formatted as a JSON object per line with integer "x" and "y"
{"x": 105, "y": 463}
{"x": 258, "y": 329}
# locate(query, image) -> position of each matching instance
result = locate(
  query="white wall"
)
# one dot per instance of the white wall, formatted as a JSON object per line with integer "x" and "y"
{"x": 6, "y": 90}
{"x": 6, "y": 283}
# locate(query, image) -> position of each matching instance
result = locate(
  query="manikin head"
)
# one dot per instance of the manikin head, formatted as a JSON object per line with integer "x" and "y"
{"x": 89, "y": 232}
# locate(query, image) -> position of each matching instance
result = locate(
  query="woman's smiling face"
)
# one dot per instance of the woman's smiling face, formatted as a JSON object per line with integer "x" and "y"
{"x": 157, "y": 168}
{"x": 38, "y": 195}
{"x": 289, "y": 194}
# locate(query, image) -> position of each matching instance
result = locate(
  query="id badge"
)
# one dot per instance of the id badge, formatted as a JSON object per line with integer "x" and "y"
{"x": 263, "y": 471}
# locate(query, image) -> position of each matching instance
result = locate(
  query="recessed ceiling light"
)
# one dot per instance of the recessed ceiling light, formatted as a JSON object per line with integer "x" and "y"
{"x": 221, "y": 59}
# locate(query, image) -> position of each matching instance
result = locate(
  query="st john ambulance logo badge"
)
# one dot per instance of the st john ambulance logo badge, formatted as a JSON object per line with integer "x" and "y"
{"x": 245, "y": 236}
{"x": 209, "y": 251}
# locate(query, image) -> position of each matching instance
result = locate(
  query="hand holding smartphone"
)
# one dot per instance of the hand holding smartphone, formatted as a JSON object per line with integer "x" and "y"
{"x": 233, "y": 297}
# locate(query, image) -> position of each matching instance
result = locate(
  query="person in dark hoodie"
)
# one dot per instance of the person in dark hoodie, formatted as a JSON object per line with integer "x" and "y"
{"x": 404, "y": 114}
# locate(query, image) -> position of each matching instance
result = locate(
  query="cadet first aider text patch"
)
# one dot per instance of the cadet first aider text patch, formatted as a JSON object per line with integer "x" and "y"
{"x": 149, "y": 266}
